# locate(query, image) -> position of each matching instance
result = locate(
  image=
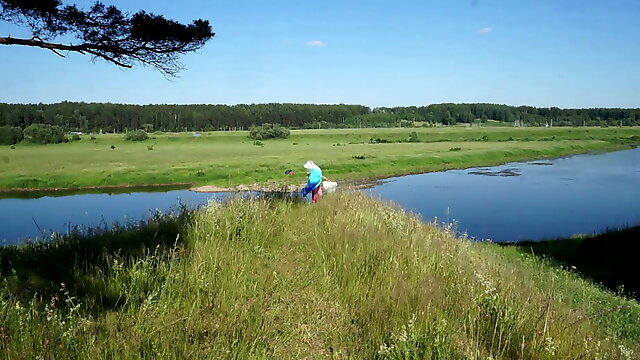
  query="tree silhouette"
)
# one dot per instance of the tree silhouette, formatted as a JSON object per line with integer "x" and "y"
{"x": 105, "y": 32}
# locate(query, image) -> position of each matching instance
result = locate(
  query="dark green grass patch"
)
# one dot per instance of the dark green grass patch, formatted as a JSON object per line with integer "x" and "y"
{"x": 610, "y": 258}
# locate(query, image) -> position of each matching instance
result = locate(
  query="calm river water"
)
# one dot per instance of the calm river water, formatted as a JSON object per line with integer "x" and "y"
{"x": 517, "y": 201}
{"x": 533, "y": 200}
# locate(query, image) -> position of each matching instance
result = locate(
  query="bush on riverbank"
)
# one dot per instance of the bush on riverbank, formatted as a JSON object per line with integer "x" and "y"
{"x": 349, "y": 278}
{"x": 136, "y": 135}
{"x": 268, "y": 131}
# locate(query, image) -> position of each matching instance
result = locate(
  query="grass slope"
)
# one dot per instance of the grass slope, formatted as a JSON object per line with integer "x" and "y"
{"x": 348, "y": 278}
{"x": 230, "y": 158}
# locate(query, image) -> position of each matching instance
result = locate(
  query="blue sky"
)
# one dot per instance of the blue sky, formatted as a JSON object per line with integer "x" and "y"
{"x": 564, "y": 53}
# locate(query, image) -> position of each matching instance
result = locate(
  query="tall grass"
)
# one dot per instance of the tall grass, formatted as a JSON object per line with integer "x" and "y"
{"x": 349, "y": 277}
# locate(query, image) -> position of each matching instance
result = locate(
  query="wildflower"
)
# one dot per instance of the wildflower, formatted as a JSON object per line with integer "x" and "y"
{"x": 403, "y": 336}
{"x": 625, "y": 353}
{"x": 489, "y": 289}
{"x": 550, "y": 346}
{"x": 385, "y": 349}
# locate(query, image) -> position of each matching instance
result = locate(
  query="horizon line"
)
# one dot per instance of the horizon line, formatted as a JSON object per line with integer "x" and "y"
{"x": 324, "y": 104}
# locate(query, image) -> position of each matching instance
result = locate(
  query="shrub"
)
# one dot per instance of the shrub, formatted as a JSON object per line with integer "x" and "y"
{"x": 10, "y": 135}
{"x": 268, "y": 131}
{"x": 44, "y": 134}
{"x": 149, "y": 147}
{"x": 413, "y": 137}
{"x": 113, "y": 147}
{"x": 75, "y": 137}
{"x": 455, "y": 149}
{"x": 136, "y": 135}
{"x": 378, "y": 140}
{"x": 258, "y": 143}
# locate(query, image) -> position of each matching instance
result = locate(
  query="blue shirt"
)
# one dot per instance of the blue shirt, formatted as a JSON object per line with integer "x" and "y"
{"x": 315, "y": 176}
{"x": 315, "y": 179}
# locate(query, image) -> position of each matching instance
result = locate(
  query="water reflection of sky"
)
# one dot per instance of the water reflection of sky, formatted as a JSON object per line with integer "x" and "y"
{"x": 29, "y": 218}
{"x": 579, "y": 194}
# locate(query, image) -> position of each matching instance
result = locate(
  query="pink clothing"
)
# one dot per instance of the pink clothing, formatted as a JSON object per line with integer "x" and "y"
{"x": 316, "y": 194}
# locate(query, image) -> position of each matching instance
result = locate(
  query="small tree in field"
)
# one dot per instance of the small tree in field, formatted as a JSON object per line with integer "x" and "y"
{"x": 136, "y": 135}
{"x": 268, "y": 131}
{"x": 413, "y": 137}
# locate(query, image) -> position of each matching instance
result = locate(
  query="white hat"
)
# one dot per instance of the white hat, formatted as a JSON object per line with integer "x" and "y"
{"x": 309, "y": 165}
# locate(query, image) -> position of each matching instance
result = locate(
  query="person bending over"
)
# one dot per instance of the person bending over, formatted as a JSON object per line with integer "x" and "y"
{"x": 314, "y": 182}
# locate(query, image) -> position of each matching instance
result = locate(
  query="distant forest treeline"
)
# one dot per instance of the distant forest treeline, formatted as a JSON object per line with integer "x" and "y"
{"x": 106, "y": 117}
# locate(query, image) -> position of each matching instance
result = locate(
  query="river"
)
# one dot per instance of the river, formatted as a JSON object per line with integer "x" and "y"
{"x": 533, "y": 200}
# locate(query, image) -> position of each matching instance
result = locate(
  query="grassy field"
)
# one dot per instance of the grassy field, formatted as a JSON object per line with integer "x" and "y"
{"x": 230, "y": 158}
{"x": 348, "y": 278}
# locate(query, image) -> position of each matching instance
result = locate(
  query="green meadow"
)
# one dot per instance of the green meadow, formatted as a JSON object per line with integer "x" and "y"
{"x": 231, "y": 158}
{"x": 348, "y": 278}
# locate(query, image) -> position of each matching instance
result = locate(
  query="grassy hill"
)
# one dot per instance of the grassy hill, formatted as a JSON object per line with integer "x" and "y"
{"x": 348, "y": 278}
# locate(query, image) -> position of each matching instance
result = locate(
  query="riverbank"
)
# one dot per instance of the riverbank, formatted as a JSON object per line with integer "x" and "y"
{"x": 229, "y": 159}
{"x": 268, "y": 278}
{"x": 112, "y": 189}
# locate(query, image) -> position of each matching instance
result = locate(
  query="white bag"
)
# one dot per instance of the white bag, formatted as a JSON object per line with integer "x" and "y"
{"x": 329, "y": 186}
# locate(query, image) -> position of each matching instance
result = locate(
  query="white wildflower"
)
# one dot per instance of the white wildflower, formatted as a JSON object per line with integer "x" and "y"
{"x": 550, "y": 346}
{"x": 625, "y": 353}
{"x": 385, "y": 349}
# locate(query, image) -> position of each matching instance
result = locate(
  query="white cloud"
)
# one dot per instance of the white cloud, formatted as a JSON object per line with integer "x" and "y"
{"x": 316, "y": 43}
{"x": 486, "y": 30}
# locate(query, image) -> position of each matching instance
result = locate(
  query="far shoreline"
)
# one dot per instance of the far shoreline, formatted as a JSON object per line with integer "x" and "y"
{"x": 274, "y": 186}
